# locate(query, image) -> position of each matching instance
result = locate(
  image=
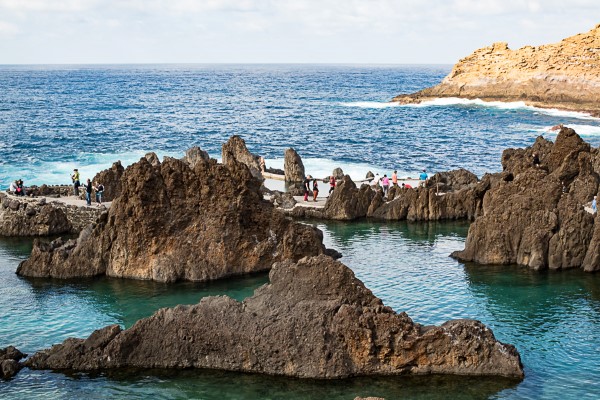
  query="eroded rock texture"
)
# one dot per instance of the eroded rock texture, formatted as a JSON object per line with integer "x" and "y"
{"x": 21, "y": 216}
{"x": 235, "y": 149}
{"x": 293, "y": 167}
{"x": 111, "y": 179}
{"x": 173, "y": 222}
{"x": 535, "y": 216}
{"x": 314, "y": 320}
{"x": 564, "y": 75}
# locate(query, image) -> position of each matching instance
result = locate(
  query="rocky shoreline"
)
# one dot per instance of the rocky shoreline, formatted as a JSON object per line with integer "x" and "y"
{"x": 562, "y": 75}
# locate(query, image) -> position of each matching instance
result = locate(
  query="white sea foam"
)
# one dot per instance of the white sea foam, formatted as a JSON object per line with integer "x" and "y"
{"x": 516, "y": 105}
{"x": 321, "y": 168}
{"x": 371, "y": 104}
{"x": 582, "y": 130}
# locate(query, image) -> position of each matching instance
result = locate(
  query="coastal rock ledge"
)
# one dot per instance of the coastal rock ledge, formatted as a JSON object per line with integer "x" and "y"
{"x": 314, "y": 319}
{"x": 180, "y": 220}
{"x": 563, "y": 75}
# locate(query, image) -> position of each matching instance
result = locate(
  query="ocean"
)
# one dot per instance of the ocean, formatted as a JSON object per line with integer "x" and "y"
{"x": 56, "y": 118}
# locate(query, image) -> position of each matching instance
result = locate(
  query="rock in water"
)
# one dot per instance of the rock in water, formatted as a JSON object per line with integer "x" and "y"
{"x": 562, "y": 75}
{"x": 235, "y": 149}
{"x": 347, "y": 202}
{"x": 173, "y": 222}
{"x": 111, "y": 179}
{"x": 9, "y": 362}
{"x": 527, "y": 218}
{"x": 314, "y": 320}
{"x": 293, "y": 167}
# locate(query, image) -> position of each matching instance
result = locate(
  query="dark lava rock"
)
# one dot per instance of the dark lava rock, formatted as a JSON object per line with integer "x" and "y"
{"x": 111, "y": 180}
{"x": 30, "y": 217}
{"x": 292, "y": 166}
{"x": 235, "y": 149}
{"x": 173, "y": 222}
{"x": 313, "y": 320}
{"x": 9, "y": 362}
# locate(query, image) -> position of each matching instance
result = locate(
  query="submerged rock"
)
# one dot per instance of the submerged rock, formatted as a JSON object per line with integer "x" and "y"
{"x": 173, "y": 222}
{"x": 535, "y": 216}
{"x": 9, "y": 362}
{"x": 313, "y": 320}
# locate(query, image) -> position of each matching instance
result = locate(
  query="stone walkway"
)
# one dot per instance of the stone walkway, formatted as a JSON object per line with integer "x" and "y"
{"x": 73, "y": 201}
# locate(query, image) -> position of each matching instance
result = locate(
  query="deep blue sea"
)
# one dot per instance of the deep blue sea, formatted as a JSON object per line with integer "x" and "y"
{"x": 56, "y": 118}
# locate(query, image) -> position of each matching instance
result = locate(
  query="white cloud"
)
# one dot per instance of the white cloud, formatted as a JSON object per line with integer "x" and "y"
{"x": 8, "y": 29}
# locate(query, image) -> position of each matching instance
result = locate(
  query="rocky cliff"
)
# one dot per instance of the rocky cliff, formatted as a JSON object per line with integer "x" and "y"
{"x": 175, "y": 222}
{"x": 563, "y": 75}
{"x": 313, "y": 320}
{"x": 535, "y": 216}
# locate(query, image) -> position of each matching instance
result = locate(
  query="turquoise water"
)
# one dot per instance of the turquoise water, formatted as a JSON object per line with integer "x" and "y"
{"x": 56, "y": 118}
{"x": 552, "y": 318}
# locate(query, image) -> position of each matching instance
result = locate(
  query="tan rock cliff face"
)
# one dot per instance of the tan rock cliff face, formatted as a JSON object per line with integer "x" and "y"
{"x": 563, "y": 75}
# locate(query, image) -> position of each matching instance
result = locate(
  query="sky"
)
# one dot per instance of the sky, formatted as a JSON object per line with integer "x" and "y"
{"x": 271, "y": 31}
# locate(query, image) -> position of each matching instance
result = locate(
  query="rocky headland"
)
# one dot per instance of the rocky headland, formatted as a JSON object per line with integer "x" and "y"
{"x": 564, "y": 75}
{"x": 314, "y": 319}
{"x": 535, "y": 215}
{"x": 190, "y": 219}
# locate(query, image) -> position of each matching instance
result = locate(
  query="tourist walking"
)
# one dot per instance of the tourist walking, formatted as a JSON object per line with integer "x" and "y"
{"x": 88, "y": 192}
{"x": 306, "y": 184}
{"x": 99, "y": 191}
{"x": 423, "y": 178}
{"x": 315, "y": 190}
{"x": 331, "y": 184}
{"x": 385, "y": 184}
{"x": 76, "y": 182}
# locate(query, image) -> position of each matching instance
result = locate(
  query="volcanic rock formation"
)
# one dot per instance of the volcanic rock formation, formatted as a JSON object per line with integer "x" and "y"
{"x": 563, "y": 75}
{"x": 111, "y": 180}
{"x": 293, "y": 167}
{"x": 535, "y": 216}
{"x": 174, "y": 222}
{"x": 235, "y": 148}
{"x": 313, "y": 320}
{"x": 9, "y": 362}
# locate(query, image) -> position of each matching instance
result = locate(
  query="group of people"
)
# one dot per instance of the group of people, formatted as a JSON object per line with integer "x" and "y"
{"x": 385, "y": 181}
{"x": 17, "y": 188}
{"x": 315, "y": 186}
{"x": 88, "y": 187}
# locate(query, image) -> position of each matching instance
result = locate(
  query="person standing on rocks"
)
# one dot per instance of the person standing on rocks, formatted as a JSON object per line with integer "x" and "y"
{"x": 76, "y": 182}
{"x": 395, "y": 178}
{"x": 88, "y": 192}
{"x": 536, "y": 160}
{"x": 331, "y": 184}
{"x": 99, "y": 191}
{"x": 594, "y": 205}
{"x": 423, "y": 178}
{"x": 261, "y": 162}
{"x": 306, "y": 184}
{"x": 385, "y": 184}
{"x": 315, "y": 190}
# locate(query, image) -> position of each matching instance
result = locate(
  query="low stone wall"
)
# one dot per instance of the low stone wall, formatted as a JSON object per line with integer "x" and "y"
{"x": 35, "y": 216}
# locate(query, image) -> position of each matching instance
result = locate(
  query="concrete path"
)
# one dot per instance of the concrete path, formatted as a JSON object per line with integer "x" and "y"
{"x": 73, "y": 201}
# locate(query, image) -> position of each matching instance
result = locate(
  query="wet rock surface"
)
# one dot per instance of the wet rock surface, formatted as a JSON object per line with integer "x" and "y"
{"x": 10, "y": 362}
{"x": 535, "y": 216}
{"x": 313, "y": 320}
{"x": 173, "y": 222}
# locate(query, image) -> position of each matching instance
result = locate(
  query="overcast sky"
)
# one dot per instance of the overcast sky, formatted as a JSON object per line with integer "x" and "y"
{"x": 279, "y": 31}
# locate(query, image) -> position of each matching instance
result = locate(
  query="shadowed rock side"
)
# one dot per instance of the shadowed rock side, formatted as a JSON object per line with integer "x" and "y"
{"x": 528, "y": 220}
{"x": 314, "y": 320}
{"x": 564, "y": 75}
{"x": 111, "y": 179}
{"x": 21, "y": 216}
{"x": 173, "y": 222}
